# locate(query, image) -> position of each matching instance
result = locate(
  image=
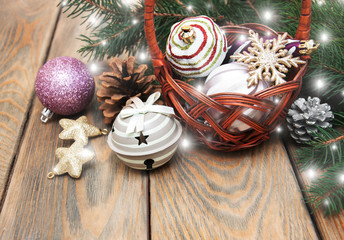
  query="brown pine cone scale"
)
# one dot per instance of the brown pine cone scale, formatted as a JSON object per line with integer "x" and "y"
{"x": 124, "y": 82}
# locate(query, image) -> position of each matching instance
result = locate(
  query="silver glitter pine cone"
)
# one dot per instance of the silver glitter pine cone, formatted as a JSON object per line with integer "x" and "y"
{"x": 305, "y": 116}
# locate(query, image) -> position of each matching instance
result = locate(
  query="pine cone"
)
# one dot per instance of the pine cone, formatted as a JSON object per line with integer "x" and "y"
{"x": 305, "y": 116}
{"x": 121, "y": 84}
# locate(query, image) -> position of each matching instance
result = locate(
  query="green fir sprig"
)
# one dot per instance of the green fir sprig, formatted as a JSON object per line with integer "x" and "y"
{"x": 325, "y": 154}
{"x": 327, "y": 192}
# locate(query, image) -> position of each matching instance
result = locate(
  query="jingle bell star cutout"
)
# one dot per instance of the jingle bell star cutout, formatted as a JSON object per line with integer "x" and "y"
{"x": 142, "y": 138}
{"x": 79, "y": 129}
{"x": 71, "y": 160}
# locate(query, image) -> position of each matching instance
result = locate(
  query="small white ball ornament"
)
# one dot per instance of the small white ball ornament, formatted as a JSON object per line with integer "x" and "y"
{"x": 196, "y": 46}
{"x": 232, "y": 78}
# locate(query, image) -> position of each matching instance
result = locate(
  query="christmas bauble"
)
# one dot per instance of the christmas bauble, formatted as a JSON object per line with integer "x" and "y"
{"x": 232, "y": 78}
{"x": 145, "y": 136}
{"x": 64, "y": 85}
{"x": 196, "y": 46}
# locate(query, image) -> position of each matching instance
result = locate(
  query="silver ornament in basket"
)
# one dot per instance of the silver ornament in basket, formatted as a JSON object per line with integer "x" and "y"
{"x": 145, "y": 136}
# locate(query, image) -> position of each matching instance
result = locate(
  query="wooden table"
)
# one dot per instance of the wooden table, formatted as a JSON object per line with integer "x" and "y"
{"x": 199, "y": 194}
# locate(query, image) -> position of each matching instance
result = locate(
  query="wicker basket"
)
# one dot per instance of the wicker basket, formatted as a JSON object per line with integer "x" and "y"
{"x": 193, "y": 106}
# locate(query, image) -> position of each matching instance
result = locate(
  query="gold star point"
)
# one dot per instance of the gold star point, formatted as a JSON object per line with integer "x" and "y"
{"x": 78, "y": 129}
{"x": 71, "y": 160}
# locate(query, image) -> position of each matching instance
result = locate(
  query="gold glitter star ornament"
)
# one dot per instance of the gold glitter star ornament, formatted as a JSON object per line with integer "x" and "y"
{"x": 79, "y": 129}
{"x": 71, "y": 160}
{"x": 267, "y": 60}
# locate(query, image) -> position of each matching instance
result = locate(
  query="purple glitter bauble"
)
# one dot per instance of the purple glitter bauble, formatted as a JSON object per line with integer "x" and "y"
{"x": 64, "y": 85}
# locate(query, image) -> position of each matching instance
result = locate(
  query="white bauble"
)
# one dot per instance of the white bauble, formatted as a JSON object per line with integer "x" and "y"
{"x": 232, "y": 78}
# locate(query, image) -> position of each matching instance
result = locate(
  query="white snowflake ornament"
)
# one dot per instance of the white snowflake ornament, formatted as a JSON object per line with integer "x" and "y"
{"x": 267, "y": 60}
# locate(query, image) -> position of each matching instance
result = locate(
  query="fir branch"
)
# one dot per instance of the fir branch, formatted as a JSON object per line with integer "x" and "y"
{"x": 100, "y": 7}
{"x": 339, "y": 119}
{"x": 332, "y": 68}
{"x": 333, "y": 140}
{"x": 255, "y": 9}
{"x": 180, "y": 16}
{"x": 327, "y": 192}
{"x": 169, "y": 15}
{"x": 319, "y": 153}
{"x": 113, "y": 36}
{"x": 326, "y": 153}
{"x": 182, "y": 4}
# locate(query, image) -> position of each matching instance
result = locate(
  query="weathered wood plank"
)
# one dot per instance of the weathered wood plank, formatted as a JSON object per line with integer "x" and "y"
{"x": 331, "y": 228}
{"x": 26, "y": 30}
{"x": 253, "y": 194}
{"x": 109, "y": 201}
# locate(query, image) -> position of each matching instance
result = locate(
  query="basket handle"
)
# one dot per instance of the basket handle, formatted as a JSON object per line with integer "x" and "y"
{"x": 304, "y": 28}
{"x": 150, "y": 32}
{"x": 302, "y": 32}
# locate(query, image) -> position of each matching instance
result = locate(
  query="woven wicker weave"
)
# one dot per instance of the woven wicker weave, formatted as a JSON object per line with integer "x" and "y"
{"x": 192, "y": 106}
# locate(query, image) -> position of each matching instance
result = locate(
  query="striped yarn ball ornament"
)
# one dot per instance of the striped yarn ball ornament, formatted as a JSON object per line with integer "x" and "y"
{"x": 151, "y": 148}
{"x": 204, "y": 54}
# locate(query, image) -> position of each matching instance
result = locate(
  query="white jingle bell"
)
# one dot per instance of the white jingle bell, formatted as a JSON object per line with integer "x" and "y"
{"x": 196, "y": 46}
{"x": 145, "y": 136}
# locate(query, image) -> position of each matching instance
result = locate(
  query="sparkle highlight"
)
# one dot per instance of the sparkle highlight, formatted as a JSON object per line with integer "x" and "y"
{"x": 185, "y": 143}
{"x": 267, "y": 15}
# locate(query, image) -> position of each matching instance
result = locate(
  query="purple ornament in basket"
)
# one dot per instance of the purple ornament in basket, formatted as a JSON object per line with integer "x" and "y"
{"x": 65, "y": 86}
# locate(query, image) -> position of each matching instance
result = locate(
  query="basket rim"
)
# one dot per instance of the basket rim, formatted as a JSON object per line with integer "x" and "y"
{"x": 175, "y": 90}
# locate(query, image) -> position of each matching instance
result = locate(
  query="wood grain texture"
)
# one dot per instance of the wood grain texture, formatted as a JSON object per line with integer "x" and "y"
{"x": 109, "y": 201}
{"x": 250, "y": 194}
{"x": 331, "y": 228}
{"x": 26, "y": 30}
